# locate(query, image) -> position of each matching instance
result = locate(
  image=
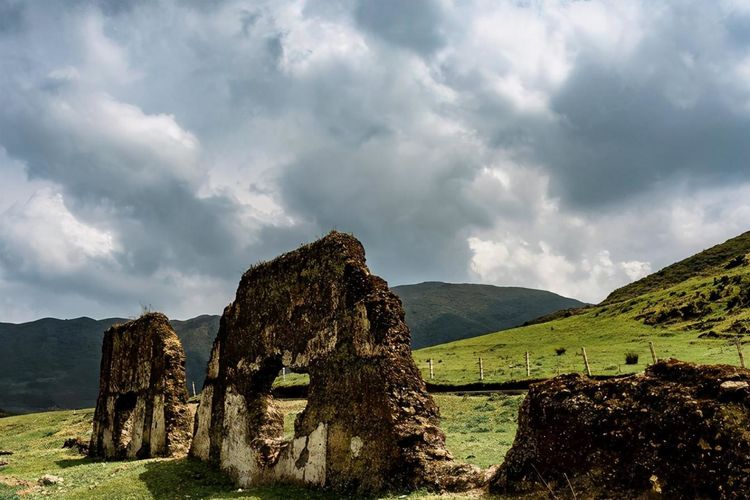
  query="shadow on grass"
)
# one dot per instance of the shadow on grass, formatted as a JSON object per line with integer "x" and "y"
{"x": 73, "y": 462}
{"x": 188, "y": 478}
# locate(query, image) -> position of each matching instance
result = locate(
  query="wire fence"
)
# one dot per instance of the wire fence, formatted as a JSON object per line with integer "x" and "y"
{"x": 599, "y": 362}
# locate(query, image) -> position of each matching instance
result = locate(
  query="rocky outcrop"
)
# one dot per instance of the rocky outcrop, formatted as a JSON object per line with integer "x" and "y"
{"x": 142, "y": 408}
{"x": 679, "y": 430}
{"x": 369, "y": 424}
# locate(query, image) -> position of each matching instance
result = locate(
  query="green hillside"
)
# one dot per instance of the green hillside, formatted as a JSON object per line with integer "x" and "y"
{"x": 694, "y": 311}
{"x": 442, "y": 312}
{"x": 709, "y": 262}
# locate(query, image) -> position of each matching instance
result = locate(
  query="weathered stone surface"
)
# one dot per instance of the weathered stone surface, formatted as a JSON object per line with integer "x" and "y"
{"x": 369, "y": 424}
{"x": 142, "y": 408}
{"x": 680, "y": 429}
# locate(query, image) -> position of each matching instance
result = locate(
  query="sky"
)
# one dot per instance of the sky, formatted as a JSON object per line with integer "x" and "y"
{"x": 152, "y": 151}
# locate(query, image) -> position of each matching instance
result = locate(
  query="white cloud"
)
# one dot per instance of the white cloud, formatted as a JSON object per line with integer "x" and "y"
{"x": 515, "y": 262}
{"x": 41, "y": 237}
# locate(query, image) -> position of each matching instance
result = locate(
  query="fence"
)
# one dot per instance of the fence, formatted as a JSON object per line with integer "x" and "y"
{"x": 500, "y": 368}
{"x": 495, "y": 365}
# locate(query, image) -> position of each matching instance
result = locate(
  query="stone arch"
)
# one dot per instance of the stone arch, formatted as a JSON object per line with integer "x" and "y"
{"x": 369, "y": 424}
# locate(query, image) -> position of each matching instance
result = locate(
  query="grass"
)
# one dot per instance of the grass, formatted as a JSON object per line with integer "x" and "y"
{"x": 607, "y": 332}
{"x": 479, "y": 430}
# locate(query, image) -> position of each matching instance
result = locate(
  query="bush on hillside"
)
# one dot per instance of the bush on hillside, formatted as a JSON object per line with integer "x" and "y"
{"x": 740, "y": 260}
{"x": 631, "y": 358}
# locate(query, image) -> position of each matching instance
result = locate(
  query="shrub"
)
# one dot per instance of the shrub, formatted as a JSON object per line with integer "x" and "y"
{"x": 740, "y": 260}
{"x": 631, "y": 358}
{"x": 560, "y": 351}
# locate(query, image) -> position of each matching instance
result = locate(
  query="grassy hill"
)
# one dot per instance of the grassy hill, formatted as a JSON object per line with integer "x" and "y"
{"x": 709, "y": 262}
{"x": 443, "y": 312}
{"x": 693, "y": 310}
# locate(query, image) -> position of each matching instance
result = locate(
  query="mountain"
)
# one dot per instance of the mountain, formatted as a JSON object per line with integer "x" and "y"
{"x": 693, "y": 310}
{"x": 54, "y": 363}
{"x": 439, "y": 312}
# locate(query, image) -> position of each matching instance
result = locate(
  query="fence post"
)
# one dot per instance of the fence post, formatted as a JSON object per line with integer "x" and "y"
{"x": 653, "y": 352}
{"x": 283, "y": 373}
{"x": 194, "y": 394}
{"x": 432, "y": 371}
{"x": 739, "y": 351}
{"x": 481, "y": 369}
{"x": 528, "y": 366}
{"x": 586, "y": 361}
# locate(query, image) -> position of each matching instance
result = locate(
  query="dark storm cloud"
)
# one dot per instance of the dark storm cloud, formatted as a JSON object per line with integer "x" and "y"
{"x": 416, "y": 25}
{"x": 675, "y": 109}
{"x": 618, "y": 138}
{"x": 406, "y": 222}
{"x": 11, "y": 16}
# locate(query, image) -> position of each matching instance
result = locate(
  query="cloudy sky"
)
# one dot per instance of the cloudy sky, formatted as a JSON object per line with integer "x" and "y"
{"x": 151, "y": 151}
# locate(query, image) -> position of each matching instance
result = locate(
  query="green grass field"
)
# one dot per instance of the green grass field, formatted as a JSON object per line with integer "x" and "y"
{"x": 479, "y": 430}
{"x": 608, "y": 332}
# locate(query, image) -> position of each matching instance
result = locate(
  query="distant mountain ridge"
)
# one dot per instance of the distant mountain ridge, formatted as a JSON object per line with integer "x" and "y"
{"x": 438, "y": 312}
{"x": 54, "y": 363}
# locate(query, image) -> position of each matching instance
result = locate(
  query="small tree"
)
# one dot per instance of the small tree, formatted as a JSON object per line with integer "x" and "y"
{"x": 631, "y": 358}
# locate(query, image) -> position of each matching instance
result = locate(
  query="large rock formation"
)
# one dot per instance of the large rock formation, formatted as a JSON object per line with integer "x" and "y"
{"x": 680, "y": 429}
{"x": 369, "y": 424}
{"x": 142, "y": 408}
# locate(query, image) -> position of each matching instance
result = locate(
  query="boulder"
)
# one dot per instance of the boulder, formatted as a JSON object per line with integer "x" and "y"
{"x": 369, "y": 424}
{"x": 49, "y": 480}
{"x": 679, "y": 430}
{"x": 142, "y": 407}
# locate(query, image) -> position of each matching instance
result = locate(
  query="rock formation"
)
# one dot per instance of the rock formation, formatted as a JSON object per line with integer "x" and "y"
{"x": 369, "y": 424}
{"x": 680, "y": 429}
{"x": 142, "y": 408}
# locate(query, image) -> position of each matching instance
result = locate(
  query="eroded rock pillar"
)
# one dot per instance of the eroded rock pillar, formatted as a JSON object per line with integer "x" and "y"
{"x": 142, "y": 408}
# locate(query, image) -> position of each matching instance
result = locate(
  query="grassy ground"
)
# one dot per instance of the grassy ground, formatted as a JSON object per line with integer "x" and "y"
{"x": 479, "y": 430}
